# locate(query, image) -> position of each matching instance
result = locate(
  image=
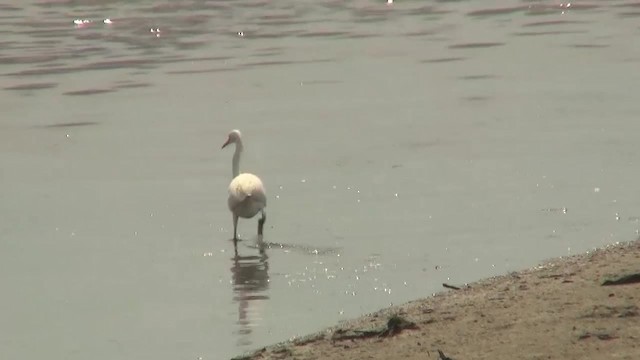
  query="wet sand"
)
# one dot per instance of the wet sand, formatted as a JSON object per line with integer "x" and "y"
{"x": 558, "y": 310}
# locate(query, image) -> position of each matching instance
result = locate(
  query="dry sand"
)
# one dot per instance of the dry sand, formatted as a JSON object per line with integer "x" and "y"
{"x": 559, "y": 310}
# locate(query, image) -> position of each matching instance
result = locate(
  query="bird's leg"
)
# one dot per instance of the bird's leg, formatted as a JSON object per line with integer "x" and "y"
{"x": 235, "y": 228}
{"x": 235, "y": 247}
{"x": 261, "y": 222}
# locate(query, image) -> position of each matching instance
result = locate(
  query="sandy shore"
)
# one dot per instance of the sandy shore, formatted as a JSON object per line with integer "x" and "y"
{"x": 558, "y": 310}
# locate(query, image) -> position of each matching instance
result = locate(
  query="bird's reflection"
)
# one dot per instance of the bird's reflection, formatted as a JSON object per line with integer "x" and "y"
{"x": 250, "y": 274}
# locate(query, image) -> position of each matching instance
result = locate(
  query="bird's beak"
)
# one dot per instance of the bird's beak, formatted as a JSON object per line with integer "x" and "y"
{"x": 226, "y": 143}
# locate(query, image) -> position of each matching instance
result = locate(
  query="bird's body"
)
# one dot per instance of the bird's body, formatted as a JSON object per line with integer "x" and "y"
{"x": 247, "y": 195}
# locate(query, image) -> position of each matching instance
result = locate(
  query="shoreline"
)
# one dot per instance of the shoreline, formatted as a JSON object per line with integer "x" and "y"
{"x": 561, "y": 308}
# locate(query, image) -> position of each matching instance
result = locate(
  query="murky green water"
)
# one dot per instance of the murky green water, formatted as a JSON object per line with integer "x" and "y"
{"x": 402, "y": 146}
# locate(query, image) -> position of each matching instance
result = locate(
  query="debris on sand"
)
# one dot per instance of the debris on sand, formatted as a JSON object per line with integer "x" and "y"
{"x": 623, "y": 280}
{"x": 394, "y": 326}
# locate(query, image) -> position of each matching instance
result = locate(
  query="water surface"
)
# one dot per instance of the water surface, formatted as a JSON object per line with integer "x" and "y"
{"x": 402, "y": 146}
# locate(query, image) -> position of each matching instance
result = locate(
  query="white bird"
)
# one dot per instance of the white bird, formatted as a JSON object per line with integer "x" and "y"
{"x": 247, "y": 195}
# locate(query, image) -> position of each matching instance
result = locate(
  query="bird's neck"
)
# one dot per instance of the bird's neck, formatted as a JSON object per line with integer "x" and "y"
{"x": 236, "y": 159}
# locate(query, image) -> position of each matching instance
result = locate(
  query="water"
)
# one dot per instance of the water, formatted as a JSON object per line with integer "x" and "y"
{"x": 402, "y": 146}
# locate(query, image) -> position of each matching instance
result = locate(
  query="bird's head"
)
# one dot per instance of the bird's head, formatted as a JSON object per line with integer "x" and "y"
{"x": 234, "y": 137}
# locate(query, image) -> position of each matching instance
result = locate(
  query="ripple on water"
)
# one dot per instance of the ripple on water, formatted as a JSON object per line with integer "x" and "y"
{"x": 427, "y": 10}
{"x": 321, "y": 34}
{"x": 358, "y": 36}
{"x": 199, "y": 71}
{"x": 88, "y": 92}
{"x": 554, "y": 23}
{"x": 542, "y": 33}
{"x": 49, "y": 34}
{"x": 100, "y": 65}
{"x": 497, "y": 11}
{"x": 28, "y": 59}
{"x": 4, "y": 7}
{"x": 631, "y": 5}
{"x": 480, "y": 98}
{"x": 371, "y": 13}
{"x": 282, "y": 62}
{"x": 119, "y": 64}
{"x": 133, "y": 85}
{"x": 42, "y": 71}
{"x": 190, "y": 45}
{"x": 477, "y": 77}
{"x": 268, "y": 63}
{"x": 476, "y": 45}
{"x": 70, "y": 124}
{"x": 561, "y": 8}
{"x": 443, "y": 60}
{"x": 533, "y": 9}
{"x": 588, "y": 46}
{"x": 32, "y": 86}
{"x": 629, "y": 14}
{"x": 320, "y": 82}
{"x": 270, "y": 35}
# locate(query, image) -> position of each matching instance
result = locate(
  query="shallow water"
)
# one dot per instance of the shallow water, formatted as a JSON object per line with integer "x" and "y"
{"x": 402, "y": 146}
